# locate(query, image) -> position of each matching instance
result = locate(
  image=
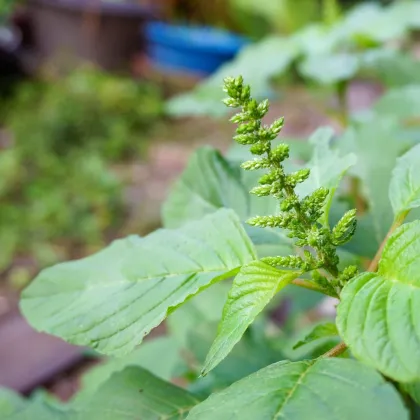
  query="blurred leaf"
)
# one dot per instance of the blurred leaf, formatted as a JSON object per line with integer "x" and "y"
{"x": 206, "y": 307}
{"x": 136, "y": 393}
{"x": 253, "y": 352}
{"x": 160, "y": 356}
{"x": 257, "y": 63}
{"x": 327, "y": 167}
{"x": 404, "y": 190}
{"x": 402, "y": 103}
{"x": 365, "y": 140}
{"x": 326, "y": 330}
{"x": 330, "y": 69}
{"x": 10, "y": 402}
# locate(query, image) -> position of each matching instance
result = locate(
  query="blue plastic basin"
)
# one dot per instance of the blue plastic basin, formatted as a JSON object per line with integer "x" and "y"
{"x": 196, "y": 49}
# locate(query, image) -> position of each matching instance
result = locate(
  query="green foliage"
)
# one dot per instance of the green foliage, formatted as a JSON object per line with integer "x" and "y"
{"x": 377, "y": 314}
{"x": 295, "y": 236}
{"x": 366, "y": 41}
{"x": 59, "y": 194}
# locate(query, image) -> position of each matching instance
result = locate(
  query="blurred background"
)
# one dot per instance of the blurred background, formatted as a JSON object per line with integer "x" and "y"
{"x": 103, "y": 101}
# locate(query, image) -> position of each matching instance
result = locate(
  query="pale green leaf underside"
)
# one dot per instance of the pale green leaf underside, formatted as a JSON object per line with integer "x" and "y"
{"x": 404, "y": 190}
{"x": 325, "y": 330}
{"x": 111, "y": 300}
{"x": 326, "y": 389}
{"x": 252, "y": 290}
{"x": 211, "y": 182}
{"x": 379, "y": 313}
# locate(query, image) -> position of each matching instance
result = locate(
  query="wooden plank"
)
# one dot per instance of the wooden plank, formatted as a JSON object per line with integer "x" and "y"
{"x": 29, "y": 359}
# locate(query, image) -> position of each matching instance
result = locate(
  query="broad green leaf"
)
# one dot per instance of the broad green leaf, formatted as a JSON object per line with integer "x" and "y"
{"x": 323, "y": 389}
{"x": 330, "y": 69}
{"x": 252, "y": 290}
{"x": 403, "y": 103}
{"x": 257, "y": 63}
{"x": 327, "y": 167}
{"x": 404, "y": 190}
{"x": 326, "y": 330}
{"x": 135, "y": 393}
{"x": 111, "y": 300}
{"x": 160, "y": 356}
{"x": 378, "y": 316}
{"x": 211, "y": 182}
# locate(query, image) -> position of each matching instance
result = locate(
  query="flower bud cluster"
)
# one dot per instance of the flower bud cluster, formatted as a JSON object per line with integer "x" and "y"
{"x": 300, "y": 216}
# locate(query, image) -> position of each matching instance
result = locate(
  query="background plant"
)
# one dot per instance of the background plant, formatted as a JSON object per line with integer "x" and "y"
{"x": 369, "y": 40}
{"x": 59, "y": 197}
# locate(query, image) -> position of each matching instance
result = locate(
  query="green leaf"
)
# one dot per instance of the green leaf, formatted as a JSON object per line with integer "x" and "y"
{"x": 404, "y": 190}
{"x": 252, "y": 290}
{"x": 253, "y": 352}
{"x": 160, "y": 356}
{"x": 330, "y": 69}
{"x": 130, "y": 394}
{"x": 327, "y": 167}
{"x": 325, "y": 389}
{"x": 403, "y": 103}
{"x": 10, "y": 402}
{"x": 211, "y": 182}
{"x": 205, "y": 308}
{"x": 257, "y": 63}
{"x": 378, "y": 316}
{"x": 208, "y": 183}
{"x": 111, "y": 300}
{"x": 41, "y": 409}
{"x": 392, "y": 67}
{"x": 372, "y": 22}
{"x": 136, "y": 393}
{"x": 326, "y": 330}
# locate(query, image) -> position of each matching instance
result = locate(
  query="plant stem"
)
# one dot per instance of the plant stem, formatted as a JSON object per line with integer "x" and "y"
{"x": 343, "y": 113}
{"x": 397, "y": 223}
{"x": 336, "y": 351}
{"x": 312, "y": 286}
